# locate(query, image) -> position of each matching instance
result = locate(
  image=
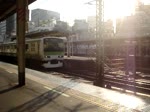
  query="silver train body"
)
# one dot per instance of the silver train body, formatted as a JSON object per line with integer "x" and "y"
{"x": 49, "y": 51}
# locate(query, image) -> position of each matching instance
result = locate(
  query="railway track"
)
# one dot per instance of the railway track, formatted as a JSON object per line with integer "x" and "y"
{"x": 141, "y": 82}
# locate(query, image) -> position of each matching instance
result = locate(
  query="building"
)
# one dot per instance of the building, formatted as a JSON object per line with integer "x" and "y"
{"x": 31, "y": 26}
{"x": 2, "y": 27}
{"x": 62, "y": 26}
{"x": 2, "y": 30}
{"x": 137, "y": 25}
{"x": 91, "y": 20}
{"x": 8, "y": 28}
{"x": 80, "y": 25}
{"x": 82, "y": 40}
{"x": 44, "y": 18}
{"x": 80, "y": 28}
{"x": 11, "y": 25}
{"x": 109, "y": 29}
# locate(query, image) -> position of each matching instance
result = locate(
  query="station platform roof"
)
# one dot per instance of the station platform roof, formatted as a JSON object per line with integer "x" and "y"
{"x": 40, "y": 34}
{"x": 8, "y": 7}
{"x": 47, "y": 33}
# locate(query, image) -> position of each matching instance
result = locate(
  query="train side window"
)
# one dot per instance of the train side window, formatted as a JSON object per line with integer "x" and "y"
{"x": 27, "y": 47}
{"x": 143, "y": 51}
{"x": 12, "y": 47}
{"x": 148, "y": 51}
{"x": 32, "y": 46}
{"x": 15, "y": 46}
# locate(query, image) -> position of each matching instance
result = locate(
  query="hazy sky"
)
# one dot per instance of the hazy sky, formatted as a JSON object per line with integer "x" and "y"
{"x": 77, "y": 9}
{"x": 68, "y": 9}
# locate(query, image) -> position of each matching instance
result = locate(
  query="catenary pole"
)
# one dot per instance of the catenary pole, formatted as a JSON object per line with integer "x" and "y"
{"x": 99, "y": 81}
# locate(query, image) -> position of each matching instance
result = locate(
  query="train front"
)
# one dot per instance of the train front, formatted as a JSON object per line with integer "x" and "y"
{"x": 53, "y": 51}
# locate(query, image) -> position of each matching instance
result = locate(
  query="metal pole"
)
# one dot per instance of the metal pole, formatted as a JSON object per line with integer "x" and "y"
{"x": 27, "y": 17}
{"x": 99, "y": 44}
{"x": 21, "y": 26}
{"x": 68, "y": 46}
{"x": 71, "y": 42}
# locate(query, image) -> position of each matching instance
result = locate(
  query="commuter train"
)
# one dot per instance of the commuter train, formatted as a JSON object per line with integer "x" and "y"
{"x": 49, "y": 51}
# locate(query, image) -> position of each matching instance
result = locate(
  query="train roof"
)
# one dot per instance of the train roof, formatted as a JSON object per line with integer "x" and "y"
{"x": 33, "y": 39}
{"x": 41, "y": 34}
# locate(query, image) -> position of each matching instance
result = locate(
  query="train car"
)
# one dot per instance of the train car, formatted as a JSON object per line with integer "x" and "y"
{"x": 47, "y": 51}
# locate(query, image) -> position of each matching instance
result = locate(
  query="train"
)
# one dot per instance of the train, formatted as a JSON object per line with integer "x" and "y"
{"x": 47, "y": 52}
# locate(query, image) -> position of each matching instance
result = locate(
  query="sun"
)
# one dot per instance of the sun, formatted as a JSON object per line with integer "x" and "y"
{"x": 119, "y": 8}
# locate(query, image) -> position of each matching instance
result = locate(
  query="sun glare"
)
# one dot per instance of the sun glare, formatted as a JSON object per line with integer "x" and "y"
{"x": 119, "y": 8}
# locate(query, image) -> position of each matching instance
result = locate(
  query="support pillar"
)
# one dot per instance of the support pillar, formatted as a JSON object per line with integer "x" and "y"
{"x": 21, "y": 26}
{"x": 99, "y": 81}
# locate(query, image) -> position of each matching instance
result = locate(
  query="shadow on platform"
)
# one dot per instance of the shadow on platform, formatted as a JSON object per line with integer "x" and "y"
{"x": 44, "y": 99}
{"x": 9, "y": 89}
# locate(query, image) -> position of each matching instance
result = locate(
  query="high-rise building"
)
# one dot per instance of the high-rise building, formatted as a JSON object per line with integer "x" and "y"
{"x": 8, "y": 28}
{"x": 11, "y": 25}
{"x": 44, "y": 18}
{"x": 2, "y": 27}
{"x": 2, "y": 30}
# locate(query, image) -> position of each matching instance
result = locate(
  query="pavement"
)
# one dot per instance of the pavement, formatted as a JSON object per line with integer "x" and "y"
{"x": 50, "y": 93}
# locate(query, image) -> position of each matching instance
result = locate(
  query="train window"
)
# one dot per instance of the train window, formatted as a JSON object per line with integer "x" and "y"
{"x": 27, "y": 47}
{"x": 12, "y": 47}
{"x": 4, "y": 47}
{"x": 143, "y": 51}
{"x": 137, "y": 51}
{"x": 148, "y": 51}
{"x": 15, "y": 46}
{"x": 32, "y": 46}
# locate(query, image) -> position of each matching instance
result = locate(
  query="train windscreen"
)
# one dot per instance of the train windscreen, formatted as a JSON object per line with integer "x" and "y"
{"x": 53, "y": 45}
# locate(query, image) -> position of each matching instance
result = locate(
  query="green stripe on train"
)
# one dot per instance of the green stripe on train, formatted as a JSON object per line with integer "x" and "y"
{"x": 53, "y": 53}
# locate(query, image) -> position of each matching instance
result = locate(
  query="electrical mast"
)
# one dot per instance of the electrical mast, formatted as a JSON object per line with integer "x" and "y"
{"x": 99, "y": 43}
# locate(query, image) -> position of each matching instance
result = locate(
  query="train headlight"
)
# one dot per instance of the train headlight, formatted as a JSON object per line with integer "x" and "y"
{"x": 60, "y": 56}
{"x": 47, "y": 56}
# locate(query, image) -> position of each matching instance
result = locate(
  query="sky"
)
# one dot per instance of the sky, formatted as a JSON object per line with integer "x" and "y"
{"x": 68, "y": 9}
{"x": 77, "y": 9}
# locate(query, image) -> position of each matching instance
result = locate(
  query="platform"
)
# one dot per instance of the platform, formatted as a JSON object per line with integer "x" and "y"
{"x": 80, "y": 63}
{"x": 49, "y": 93}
